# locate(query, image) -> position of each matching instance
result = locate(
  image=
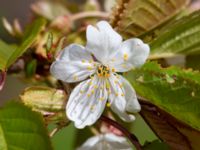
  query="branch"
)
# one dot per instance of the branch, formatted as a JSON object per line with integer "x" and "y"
{"x": 87, "y": 14}
{"x": 129, "y": 135}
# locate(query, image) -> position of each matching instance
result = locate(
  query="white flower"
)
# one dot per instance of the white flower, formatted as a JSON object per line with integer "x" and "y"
{"x": 104, "y": 55}
{"x": 107, "y": 141}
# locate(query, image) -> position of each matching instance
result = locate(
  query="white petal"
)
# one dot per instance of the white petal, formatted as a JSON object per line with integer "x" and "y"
{"x": 102, "y": 41}
{"x": 90, "y": 143}
{"x": 106, "y": 142}
{"x": 132, "y": 53}
{"x": 74, "y": 52}
{"x": 117, "y": 99}
{"x": 72, "y": 71}
{"x": 132, "y": 104}
{"x": 117, "y": 142}
{"x": 87, "y": 102}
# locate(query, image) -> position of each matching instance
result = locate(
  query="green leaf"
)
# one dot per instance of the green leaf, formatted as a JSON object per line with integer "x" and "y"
{"x": 22, "y": 129}
{"x": 47, "y": 101}
{"x": 182, "y": 37}
{"x": 66, "y": 138}
{"x": 155, "y": 145}
{"x": 174, "y": 90}
{"x": 10, "y": 53}
{"x": 6, "y": 51}
{"x": 135, "y": 17}
{"x": 192, "y": 61}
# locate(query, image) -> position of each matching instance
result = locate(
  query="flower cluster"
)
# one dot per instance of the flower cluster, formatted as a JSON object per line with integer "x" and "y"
{"x": 96, "y": 65}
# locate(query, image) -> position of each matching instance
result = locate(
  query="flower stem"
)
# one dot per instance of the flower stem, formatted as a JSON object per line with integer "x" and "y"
{"x": 129, "y": 135}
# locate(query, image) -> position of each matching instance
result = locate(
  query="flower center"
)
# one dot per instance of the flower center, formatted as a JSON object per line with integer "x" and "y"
{"x": 103, "y": 71}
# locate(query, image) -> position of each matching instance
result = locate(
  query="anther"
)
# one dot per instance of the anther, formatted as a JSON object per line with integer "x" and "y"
{"x": 81, "y": 91}
{"x": 125, "y": 57}
{"x": 89, "y": 68}
{"x": 113, "y": 69}
{"x": 75, "y": 77}
{"x": 101, "y": 98}
{"x": 108, "y": 104}
{"x": 92, "y": 91}
{"x": 92, "y": 107}
{"x": 103, "y": 71}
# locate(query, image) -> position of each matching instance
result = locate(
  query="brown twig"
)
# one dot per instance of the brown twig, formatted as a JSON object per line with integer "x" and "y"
{"x": 129, "y": 135}
{"x": 87, "y": 14}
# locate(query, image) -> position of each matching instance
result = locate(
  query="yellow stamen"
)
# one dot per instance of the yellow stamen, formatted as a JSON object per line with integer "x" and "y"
{"x": 92, "y": 92}
{"x": 81, "y": 91}
{"x": 125, "y": 56}
{"x": 108, "y": 104}
{"x": 101, "y": 98}
{"x": 116, "y": 82}
{"x": 120, "y": 85}
{"x": 103, "y": 71}
{"x": 92, "y": 107}
{"x": 75, "y": 77}
{"x": 124, "y": 66}
{"x": 113, "y": 69}
{"x": 89, "y": 68}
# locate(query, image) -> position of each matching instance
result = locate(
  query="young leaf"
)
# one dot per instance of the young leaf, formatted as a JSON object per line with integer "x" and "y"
{"x": 181, "y": 37}
{"x": 22, "y": 129}
{"x": 169, "y": 129}
{"x": 135, "y": 17}
{"x": 44, "y": 98}
{"x": 6, "y": 51}
{"x": 174, "y": 90}
{"x": 48, "y": 101}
